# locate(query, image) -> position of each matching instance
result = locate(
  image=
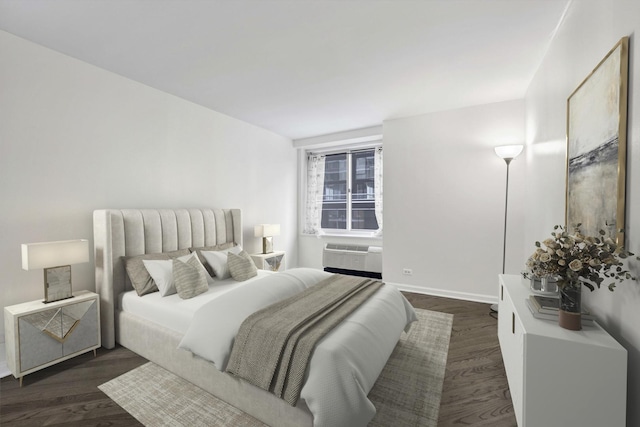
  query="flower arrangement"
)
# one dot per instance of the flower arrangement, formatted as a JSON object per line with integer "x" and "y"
{"x": 573, "y": 259}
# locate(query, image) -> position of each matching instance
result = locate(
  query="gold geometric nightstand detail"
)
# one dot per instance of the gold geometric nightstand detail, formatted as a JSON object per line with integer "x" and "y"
{"x": 58, "y": 323}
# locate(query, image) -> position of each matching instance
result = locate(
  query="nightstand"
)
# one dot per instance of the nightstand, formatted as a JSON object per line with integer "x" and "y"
{"x": 38, "y": 335}
{"x": 273, "y": 261}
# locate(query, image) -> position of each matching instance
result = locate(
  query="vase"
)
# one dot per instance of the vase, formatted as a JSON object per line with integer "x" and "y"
{"x": 544, "y": 285}
{"x": 570, "y": 306}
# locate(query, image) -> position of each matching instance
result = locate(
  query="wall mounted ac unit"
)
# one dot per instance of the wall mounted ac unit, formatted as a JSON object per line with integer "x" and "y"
{"x": 353, "y": 259}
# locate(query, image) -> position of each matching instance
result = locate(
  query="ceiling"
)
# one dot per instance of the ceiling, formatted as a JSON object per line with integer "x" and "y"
{"x": 304, "y": 68}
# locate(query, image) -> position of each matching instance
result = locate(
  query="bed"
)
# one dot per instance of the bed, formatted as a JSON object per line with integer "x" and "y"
{"x": 120, "y": 233}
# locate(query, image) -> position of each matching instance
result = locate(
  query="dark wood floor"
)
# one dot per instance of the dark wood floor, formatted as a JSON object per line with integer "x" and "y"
{"x": 475, "y": 391}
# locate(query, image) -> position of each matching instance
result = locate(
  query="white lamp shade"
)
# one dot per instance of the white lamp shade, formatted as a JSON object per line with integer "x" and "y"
{"x": 509, "y": 151}
{"x": 54, "y": 254}
{"x": 267, "y": 230}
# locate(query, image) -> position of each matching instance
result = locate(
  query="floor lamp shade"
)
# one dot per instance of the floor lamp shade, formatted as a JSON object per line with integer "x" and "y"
{"x": 509, "y": 151}
{"x": 56, "y": 259}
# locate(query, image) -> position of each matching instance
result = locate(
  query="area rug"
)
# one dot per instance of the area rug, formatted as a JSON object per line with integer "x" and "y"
{"x": 407, "y": 393}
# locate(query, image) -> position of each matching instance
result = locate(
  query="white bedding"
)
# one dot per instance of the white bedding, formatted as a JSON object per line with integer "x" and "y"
{"x": 173, "y": 312}
{"x": 345, "y": 364}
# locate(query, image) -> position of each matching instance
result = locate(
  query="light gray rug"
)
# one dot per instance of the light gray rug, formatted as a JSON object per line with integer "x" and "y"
{"x": 407, "y": 392}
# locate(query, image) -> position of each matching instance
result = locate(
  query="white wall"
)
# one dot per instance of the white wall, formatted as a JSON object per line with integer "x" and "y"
{"x": 590, "y": 30}
{"x": 444, "y": 190}
{"x": 74, "y": 138}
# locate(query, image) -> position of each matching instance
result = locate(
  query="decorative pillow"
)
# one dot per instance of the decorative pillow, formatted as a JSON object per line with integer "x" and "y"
{"x": 189, "y": 277}
{"x": 138, "y": 274}
{"x": 161, "y": 271}
{"x": 217, "y": 260}
{"x": 202, "y": 259}
{"x": 241, "y": 266}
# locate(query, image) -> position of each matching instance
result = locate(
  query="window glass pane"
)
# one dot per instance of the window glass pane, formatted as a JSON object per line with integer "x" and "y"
{"x": 334, "y": 202}
{"x": 363, "y": 216}
{"x": 334, "y": 215}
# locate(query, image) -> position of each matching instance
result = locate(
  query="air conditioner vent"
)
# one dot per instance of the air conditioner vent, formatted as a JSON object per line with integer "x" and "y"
{"x": 343, "y": 247}
{"x": 352, "y": 257}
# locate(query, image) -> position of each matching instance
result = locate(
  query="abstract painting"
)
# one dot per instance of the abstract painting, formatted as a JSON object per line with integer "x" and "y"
{"x": 596, "y": 147}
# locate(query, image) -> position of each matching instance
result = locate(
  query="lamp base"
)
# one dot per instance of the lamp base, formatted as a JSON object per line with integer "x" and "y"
{"x": 49, "y": 302}
{"x": 57, "y": 283}
{"x": 267, "y": 245}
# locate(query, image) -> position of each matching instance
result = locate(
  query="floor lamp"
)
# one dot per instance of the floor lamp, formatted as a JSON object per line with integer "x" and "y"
{"x": 506, "y": 153}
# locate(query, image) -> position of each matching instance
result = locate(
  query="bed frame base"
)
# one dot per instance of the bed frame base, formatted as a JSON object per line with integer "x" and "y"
{"x": 160, "y": 345}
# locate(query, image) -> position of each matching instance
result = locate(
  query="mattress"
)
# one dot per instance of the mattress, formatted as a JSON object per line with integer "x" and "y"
{"x": 173, "y": 312}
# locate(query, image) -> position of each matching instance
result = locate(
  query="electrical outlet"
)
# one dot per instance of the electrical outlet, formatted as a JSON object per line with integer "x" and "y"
{"x": 407, "y": 271}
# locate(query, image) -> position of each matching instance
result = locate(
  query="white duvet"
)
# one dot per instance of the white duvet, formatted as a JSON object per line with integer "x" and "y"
{"x": 346, "y": 362}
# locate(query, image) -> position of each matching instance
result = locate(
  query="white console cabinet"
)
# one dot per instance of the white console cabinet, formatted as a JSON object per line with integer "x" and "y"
{"x": 559, "y": 377}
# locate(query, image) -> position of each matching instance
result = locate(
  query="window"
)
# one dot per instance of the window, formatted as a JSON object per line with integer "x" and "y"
{"x": 342, "y": 192}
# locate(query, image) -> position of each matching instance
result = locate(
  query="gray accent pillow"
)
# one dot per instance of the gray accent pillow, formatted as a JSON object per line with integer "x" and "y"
{"x": 220, "y": 247}
{"x": 241, "y": 266}
{"x": 189, "y": 277}
{"x": 138, "y": 274}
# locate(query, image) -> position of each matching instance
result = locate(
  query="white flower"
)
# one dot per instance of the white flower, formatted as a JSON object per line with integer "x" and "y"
{"x": 575, "y": 265}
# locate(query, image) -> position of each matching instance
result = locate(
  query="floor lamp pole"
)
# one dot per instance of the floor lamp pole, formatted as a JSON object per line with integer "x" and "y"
{"x": 507, "y": 153}
{"x": 506, "y": 205}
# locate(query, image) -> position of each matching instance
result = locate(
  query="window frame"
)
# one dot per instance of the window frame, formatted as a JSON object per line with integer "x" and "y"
{"x": 348, "y": 231}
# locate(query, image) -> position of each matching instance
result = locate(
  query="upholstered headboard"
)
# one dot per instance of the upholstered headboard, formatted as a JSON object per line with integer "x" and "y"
{"x": 127, "y": 232}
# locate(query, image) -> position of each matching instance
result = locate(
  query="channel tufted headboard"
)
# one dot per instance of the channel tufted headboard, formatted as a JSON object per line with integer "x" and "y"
{"x": 128, "y": 232}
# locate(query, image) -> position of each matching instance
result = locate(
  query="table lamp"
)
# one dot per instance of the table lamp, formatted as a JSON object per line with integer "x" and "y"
{"x": 56, "y": 259}
{"x": 267, "y": 231}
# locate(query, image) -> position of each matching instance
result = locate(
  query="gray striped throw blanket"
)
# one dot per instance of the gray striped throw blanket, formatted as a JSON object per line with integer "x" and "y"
{"x": 274, "y": 345}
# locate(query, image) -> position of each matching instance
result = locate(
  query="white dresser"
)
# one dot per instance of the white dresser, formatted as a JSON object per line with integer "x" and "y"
{"x": 559, "y": 377}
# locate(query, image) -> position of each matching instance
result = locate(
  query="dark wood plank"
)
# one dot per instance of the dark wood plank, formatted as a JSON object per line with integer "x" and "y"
{"x": 67, "y": 393}
{"x": 475, "y": 390}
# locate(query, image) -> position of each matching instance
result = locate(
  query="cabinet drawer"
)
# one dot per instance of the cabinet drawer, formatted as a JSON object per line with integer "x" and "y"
{"x": 511, "y": 337}
{"x": 39, "y": 335}
{"x": 51, "y": 334}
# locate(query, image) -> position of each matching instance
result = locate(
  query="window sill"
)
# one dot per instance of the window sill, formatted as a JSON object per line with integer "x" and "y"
{"x": 372, "y": 235}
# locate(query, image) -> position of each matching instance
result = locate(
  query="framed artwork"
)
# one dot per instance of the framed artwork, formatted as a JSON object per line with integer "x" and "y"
{"x": 597, "y": 147}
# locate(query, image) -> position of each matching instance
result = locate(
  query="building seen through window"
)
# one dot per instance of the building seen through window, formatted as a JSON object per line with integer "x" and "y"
{"x": 348, "y": 198}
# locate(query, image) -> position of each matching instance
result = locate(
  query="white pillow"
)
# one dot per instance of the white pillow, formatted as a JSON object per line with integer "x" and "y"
{"x": 161, "y": 271}
{"x": 217, "y": 260}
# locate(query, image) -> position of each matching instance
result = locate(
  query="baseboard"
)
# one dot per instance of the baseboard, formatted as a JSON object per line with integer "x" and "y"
{"x": 447, "y": 294}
